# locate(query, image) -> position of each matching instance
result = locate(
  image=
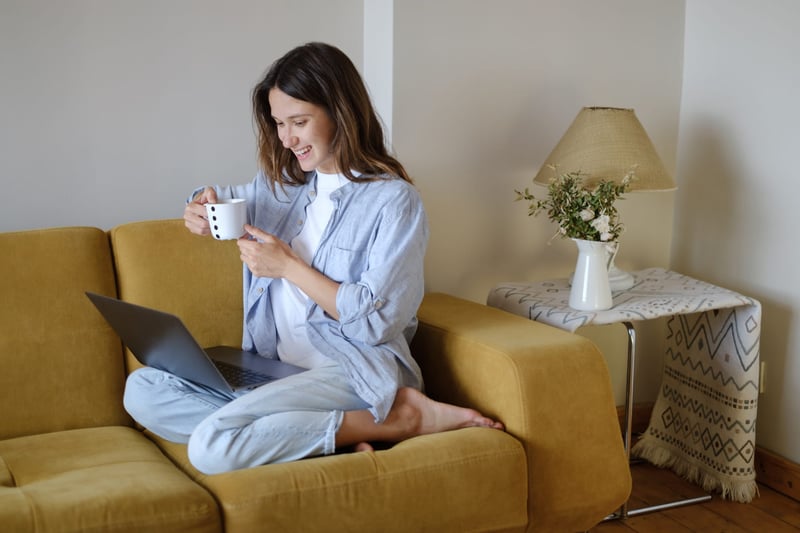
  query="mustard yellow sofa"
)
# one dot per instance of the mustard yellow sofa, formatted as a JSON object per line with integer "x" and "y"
{"x": 72, "y": 460}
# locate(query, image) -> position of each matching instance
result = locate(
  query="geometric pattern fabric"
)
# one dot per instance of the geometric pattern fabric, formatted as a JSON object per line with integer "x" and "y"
{"x": 703, "y": 425}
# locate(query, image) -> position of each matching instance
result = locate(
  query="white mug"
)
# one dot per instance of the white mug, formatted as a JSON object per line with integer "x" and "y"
{"x": 227, "y": 218}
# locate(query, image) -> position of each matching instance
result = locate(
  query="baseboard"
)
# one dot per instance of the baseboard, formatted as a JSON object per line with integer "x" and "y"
{"x": 778, "y": 473}
{"x": 772, "y": 470}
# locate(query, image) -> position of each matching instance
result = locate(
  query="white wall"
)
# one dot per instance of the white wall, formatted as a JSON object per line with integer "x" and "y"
{"x": 484, "y": 90}
{"x": 739, "y": 179}
{"x": 113, "y": 111}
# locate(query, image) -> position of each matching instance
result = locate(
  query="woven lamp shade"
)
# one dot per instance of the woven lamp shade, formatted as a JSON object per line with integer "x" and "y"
{"x": 605, "y": 143}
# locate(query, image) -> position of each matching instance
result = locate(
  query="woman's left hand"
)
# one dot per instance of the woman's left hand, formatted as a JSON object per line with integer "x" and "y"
{"x": 264, "y": 254}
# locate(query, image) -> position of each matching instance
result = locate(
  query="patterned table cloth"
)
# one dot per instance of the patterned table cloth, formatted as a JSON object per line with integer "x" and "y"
{"x": 703, "y": 425}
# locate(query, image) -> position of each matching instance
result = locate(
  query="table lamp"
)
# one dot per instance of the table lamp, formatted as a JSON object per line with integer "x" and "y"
{"x": 605, "y": 143}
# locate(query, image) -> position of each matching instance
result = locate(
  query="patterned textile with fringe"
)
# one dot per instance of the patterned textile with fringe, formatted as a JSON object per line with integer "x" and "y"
{"x": 703, "y": 425}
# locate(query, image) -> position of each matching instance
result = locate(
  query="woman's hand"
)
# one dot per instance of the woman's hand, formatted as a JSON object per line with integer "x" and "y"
{"x": 194, "y": 214}
{"x": 268, "y": 256}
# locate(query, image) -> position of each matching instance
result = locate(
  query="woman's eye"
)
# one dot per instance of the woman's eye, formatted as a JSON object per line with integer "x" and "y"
{"x": 300, "y": 123}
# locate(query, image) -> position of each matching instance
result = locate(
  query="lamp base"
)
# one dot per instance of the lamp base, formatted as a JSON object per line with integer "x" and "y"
{"x": 619, "y": 280}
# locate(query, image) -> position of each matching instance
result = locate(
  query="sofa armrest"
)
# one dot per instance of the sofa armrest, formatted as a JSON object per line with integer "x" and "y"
{"x": 552, "y": 391}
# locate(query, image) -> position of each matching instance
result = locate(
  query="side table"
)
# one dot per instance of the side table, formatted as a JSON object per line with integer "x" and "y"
{"x": 704, "y": 418}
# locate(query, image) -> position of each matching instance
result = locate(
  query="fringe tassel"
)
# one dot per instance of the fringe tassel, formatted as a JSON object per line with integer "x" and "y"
{"x": 739, "y": 491}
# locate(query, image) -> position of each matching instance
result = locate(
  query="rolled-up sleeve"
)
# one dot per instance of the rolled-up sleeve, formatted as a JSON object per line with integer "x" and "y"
{"x": 383, "y": 301}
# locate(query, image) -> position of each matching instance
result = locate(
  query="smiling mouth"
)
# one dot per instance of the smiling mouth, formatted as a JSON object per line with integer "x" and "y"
{"x": 301, "y": 154}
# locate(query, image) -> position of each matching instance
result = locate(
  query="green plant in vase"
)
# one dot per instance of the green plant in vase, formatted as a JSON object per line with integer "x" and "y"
{"x": 589, "y": 217}
{"x": 580, "y": 212}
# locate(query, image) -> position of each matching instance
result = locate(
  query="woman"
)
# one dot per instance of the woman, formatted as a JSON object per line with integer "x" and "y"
{"x": 333, "y": 276}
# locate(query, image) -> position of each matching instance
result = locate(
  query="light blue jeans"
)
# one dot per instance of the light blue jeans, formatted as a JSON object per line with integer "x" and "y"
{"x": 288, "y": 419}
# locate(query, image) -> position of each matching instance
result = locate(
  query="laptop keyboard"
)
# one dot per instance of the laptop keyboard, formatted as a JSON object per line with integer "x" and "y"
{"x": 239, "y": 376}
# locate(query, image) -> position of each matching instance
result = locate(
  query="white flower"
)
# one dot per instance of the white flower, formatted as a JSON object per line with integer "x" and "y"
{"x": 572, "y": 206}
{"x": 601, "y": 224}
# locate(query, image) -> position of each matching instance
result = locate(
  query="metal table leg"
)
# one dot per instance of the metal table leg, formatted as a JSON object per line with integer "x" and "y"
{"x": 624, "y": 512}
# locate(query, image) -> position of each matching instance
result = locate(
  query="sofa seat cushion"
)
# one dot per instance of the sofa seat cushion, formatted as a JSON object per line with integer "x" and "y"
{"x": 98, "y": 479}
{"x": 465, "y": 480}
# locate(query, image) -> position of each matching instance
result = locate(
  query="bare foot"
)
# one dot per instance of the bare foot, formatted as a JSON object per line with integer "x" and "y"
{"x": 412, "y": 414}
{"x": 422, "y": 416}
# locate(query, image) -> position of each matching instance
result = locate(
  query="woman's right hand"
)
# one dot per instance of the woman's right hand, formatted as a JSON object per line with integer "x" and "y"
{"x": 194, "y": 215}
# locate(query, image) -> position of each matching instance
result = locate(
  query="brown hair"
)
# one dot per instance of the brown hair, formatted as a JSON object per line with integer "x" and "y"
{"x": 323, "y": 75}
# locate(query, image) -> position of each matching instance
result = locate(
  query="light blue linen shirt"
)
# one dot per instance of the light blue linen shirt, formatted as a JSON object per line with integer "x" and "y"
{"x": 374, "y": 246}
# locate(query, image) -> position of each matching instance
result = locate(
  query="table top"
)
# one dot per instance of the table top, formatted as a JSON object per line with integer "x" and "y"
{"x": 656, "y": 292}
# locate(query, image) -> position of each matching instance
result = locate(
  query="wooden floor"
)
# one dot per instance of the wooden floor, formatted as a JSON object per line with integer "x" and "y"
{"x": 770, "y": 512}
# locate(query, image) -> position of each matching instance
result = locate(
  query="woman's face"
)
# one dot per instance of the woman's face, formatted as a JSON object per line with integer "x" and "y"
{"x": 305, "y": 129}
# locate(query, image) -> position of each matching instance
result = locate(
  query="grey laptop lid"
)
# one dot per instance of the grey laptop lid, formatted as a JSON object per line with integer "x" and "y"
{"x": 160, "y": 340}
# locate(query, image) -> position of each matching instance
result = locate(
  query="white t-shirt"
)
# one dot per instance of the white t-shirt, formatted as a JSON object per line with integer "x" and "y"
{"x": 289, "y": 302}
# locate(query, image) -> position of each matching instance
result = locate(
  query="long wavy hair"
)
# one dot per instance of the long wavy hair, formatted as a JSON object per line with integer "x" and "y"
{"x": 323, "y": 75}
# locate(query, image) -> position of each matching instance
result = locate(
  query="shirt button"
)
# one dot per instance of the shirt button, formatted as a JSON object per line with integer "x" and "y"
{"x": 378, "y": 304}
{"x": 261, "y": 290}
{"x": 300, "y": 222}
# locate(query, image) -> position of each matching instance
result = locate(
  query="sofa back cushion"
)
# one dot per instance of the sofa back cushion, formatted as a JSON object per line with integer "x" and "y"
{"x": 161, "y": 265}
{"x": 61, "y": 365}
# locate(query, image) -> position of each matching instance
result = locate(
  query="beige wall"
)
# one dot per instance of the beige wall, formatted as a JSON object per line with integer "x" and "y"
{"x": 736, "y": 213}
{"x": 482, "y": 93}
{"x": 112, "y": 111}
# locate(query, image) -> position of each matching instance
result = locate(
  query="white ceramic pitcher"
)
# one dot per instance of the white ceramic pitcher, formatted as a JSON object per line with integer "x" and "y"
{"x": 590, "y": 289}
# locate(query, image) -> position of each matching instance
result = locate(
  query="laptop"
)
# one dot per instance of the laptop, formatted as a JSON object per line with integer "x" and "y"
{"x": 160, "y": 340}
